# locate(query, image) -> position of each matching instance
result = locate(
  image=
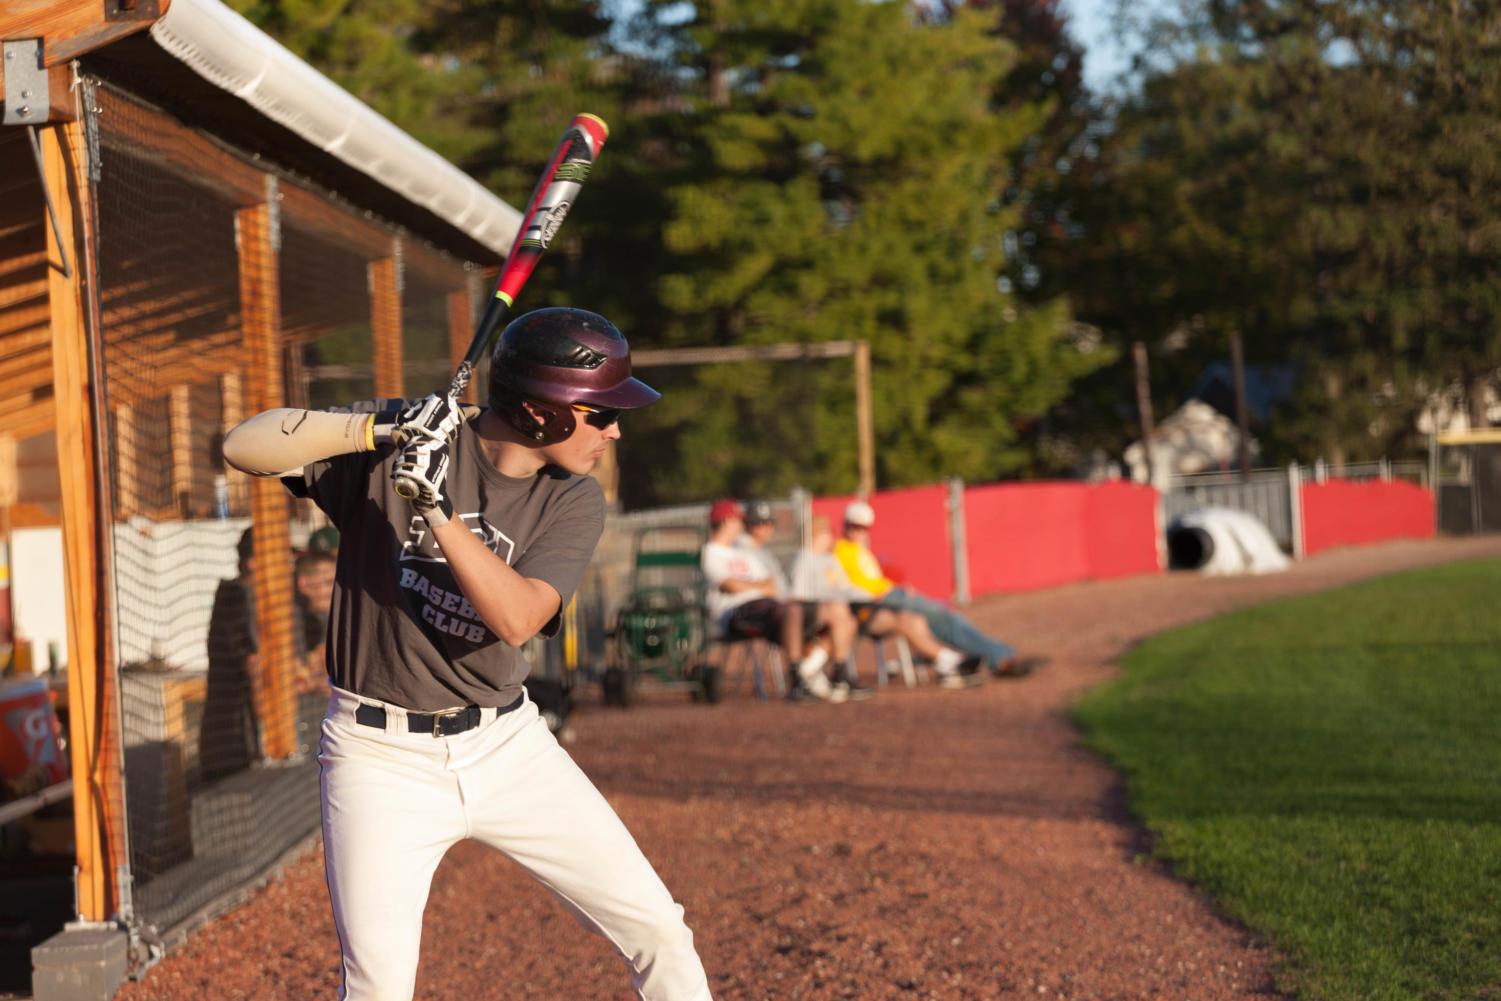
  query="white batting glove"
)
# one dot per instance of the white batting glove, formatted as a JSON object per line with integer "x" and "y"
{"x": 433, "y": 420}
{"x": 419, "y": 472}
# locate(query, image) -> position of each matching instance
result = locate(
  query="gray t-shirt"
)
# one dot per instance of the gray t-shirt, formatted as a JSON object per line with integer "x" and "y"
{"x": 400, "y": 629}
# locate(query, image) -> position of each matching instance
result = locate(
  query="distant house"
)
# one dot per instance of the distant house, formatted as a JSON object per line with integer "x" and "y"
{"x": 1195, "y": 438}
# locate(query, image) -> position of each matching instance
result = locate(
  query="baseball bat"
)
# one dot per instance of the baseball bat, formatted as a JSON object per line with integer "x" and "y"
{"x": 557, "y": 187}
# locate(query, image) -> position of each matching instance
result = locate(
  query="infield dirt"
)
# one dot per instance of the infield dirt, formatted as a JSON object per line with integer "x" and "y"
{"x": 925, "y": 844}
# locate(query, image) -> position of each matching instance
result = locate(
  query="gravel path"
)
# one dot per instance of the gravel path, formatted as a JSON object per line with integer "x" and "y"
{"x": 926, "y": 844}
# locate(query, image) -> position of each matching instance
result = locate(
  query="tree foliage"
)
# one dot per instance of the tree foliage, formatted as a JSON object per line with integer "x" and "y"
{"x": 849, "y": 165}
{"x": 1321, "y": 178}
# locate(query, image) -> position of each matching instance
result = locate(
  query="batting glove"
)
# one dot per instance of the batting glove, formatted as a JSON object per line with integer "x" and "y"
{"x": 420, "y": 471}
{"x": 432, "y": 420}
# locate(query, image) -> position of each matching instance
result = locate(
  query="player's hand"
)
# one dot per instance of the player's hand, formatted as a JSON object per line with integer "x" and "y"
{"x": 423, "y": 466}
{"x": 433, "y": 419}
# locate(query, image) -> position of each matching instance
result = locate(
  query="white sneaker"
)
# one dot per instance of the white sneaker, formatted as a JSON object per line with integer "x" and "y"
{"x": 953, "y": 682}
{"x": 839, "y": 693}
{"x": 817, "y": 684}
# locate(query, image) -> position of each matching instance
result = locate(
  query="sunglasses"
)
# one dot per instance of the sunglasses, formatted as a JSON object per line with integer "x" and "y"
{"x": 598, "y": 417}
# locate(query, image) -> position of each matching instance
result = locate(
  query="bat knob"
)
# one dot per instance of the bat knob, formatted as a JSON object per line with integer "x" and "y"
{"x": 405, "y": 488}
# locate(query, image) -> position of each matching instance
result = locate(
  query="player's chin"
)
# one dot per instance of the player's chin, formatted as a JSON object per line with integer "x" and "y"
{"x": 581, "y": 466}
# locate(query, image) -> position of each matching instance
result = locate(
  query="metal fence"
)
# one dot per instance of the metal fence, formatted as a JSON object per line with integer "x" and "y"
{"x": 1268, "y": 494}
{"x": 221, "y": 285}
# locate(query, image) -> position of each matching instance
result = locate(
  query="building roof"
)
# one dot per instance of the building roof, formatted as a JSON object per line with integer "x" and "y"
{"x": 207, "y": 64}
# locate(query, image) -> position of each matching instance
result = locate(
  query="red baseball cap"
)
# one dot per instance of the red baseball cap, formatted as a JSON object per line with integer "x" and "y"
{"x": 724, "y": 510}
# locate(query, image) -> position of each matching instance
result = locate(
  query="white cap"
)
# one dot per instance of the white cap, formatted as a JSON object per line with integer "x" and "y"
{"x": 860, "y": 513}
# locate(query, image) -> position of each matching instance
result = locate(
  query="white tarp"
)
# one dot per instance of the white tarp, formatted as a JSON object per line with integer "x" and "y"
{"x": 1226, "y": 541}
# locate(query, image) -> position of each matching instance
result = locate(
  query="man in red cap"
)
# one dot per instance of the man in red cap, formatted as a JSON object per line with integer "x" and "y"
{"x": 744, "y": 599}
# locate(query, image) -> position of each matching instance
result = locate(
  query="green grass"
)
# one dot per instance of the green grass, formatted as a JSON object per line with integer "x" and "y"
{"x": 1328, "y": 768}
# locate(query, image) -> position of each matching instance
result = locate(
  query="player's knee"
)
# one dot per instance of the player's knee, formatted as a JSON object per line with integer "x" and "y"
{"x": 663, "y": 935}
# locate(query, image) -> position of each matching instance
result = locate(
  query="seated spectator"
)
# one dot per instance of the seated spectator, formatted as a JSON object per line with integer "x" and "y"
{"x": 324, "y": 540}
{"x": 950, "y": 628}
{"x": 818, "y": 574}
{"x": 314, "y": 577}
{"x": 741, "y": 598}
{"x": 830, "y": 617}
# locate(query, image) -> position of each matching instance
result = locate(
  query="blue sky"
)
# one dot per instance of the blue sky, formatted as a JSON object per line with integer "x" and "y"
{"x": 1104, "y": 57}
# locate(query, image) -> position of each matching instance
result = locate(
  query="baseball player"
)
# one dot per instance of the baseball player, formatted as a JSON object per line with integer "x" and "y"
{"x": 429, "y": 737}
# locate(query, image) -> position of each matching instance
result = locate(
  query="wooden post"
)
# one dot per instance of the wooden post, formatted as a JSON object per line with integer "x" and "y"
{"x": 127, "y": 473}
{"x": 180, "y": 435}
{"x": 864, "y": 420}
{"x": 232, "y": 412}
{"x": 460, "y": 332}
{"x": 260, "y": 318}
{"x": 93, "y": 708}
{"x": 385, "y": 325}
{"x": 1238, "y": 366}
{"x": 1144, "y": 406}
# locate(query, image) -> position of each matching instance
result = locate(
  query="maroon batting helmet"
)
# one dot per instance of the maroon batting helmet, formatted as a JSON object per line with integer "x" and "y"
{"x": 553, "y": 358}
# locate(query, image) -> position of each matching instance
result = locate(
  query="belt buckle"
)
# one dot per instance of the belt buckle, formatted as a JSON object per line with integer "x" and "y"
{"x": 438, "y": 719}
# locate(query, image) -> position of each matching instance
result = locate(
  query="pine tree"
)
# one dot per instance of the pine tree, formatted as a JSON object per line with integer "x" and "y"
{"x": 851, "y": 167}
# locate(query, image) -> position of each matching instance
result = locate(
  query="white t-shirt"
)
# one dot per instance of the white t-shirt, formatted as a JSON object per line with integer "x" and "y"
{"x": 722, "y": 563}
{"x": 821, "y": 577}
{"x": 770, "y": 566}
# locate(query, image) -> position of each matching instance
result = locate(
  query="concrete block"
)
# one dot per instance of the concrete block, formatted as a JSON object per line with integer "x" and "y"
{"x": 79, "y": 964}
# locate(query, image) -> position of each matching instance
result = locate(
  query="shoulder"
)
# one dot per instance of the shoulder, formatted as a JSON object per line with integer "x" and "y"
{"x": 564, "y": 495}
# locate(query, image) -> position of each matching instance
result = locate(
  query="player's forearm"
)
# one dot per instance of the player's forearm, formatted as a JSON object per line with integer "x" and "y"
{"x": 281, "y": 441}
{"x": 514, "y": 607}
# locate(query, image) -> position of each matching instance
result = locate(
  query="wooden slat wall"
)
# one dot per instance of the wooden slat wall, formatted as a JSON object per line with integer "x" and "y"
{"x": 26, "y": 406}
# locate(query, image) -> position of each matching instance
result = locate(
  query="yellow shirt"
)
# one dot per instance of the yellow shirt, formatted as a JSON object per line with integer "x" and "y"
{"x": 862, "y": 568}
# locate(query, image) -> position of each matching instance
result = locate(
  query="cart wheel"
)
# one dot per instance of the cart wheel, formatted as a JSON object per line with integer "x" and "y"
{"x": 708, "y": 680}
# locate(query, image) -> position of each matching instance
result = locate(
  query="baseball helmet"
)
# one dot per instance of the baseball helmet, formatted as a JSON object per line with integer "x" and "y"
{"x": 553, "y": 358}
{"x": 758, "y": 512}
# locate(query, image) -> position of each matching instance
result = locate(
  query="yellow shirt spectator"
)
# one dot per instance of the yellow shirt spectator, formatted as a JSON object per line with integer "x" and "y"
{"x": 862, "y": 568}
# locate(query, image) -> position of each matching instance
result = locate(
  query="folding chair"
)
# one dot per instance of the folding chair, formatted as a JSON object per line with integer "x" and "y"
{"x": 899, "y": 661}
{"x": 754, "y": 655}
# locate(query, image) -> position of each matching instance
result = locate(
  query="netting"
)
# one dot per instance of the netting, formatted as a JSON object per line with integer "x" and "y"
{"x": 222, "y": 292}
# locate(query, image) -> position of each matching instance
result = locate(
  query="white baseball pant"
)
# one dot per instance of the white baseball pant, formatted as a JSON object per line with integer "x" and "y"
{"x": 395, "y": 801}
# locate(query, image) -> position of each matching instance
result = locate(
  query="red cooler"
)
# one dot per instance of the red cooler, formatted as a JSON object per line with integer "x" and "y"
{"x": 29, "y": 735}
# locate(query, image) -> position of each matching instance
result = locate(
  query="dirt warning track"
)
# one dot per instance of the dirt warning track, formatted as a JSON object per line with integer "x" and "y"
{"x": 926, "y": 844}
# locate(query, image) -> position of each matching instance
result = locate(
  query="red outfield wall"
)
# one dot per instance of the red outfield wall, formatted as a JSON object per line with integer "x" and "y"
{"x": 1343, "y": 513}
{"x": 1025, "y": 536}
{"x": 1018, "y": 536}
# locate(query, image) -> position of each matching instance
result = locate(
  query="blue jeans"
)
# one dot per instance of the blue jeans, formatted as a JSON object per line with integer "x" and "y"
{"x": 950, "y": 628}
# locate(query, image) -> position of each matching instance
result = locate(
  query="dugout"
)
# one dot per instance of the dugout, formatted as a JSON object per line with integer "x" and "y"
{"x": 1465, "y": 468}
{"x": 194, "y": 224}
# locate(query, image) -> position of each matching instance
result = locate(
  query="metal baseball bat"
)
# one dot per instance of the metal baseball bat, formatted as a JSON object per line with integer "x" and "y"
{"x": 556, "y": 189}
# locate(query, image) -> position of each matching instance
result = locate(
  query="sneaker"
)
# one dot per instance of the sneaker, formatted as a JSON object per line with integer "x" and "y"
{"x": 838, "y": 693}
{"x": 1018, "y": 667}
{"x": 953, "y": 682}
{"x": 971, "y": 664}
{"x": 859, "y": 693}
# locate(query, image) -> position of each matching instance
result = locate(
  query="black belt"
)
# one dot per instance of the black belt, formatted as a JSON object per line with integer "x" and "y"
{"x": 444, "y": 724}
